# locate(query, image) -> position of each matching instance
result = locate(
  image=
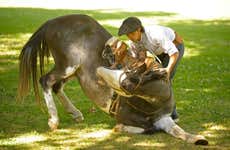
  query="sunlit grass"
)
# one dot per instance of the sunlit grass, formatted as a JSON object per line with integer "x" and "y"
{"x": 23, "y": 139}
{"x": 12, "y": 43}
{"x": 201, "y": 86}
{"x": 213, "y": 129}
{"x": 62, "y": 137}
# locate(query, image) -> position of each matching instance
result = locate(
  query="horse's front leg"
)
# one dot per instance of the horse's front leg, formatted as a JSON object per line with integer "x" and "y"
{"x": 169, "y": 126}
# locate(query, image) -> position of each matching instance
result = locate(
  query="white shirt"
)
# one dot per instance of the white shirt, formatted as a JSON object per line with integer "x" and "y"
{"x": 157, "y": 39}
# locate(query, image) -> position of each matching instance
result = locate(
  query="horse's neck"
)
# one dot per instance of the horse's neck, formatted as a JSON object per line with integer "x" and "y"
{"x": 96, "y": 92}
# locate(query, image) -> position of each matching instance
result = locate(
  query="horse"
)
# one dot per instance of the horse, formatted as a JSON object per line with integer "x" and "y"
{"x": 76, "y": 43}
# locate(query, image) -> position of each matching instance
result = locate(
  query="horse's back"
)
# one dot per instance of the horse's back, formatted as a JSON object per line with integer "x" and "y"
{"x": 73, "y": 36}
{"x": 72, "y": 28}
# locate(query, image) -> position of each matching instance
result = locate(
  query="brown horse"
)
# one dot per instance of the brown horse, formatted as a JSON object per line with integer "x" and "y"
{"x": 76, "y": 43}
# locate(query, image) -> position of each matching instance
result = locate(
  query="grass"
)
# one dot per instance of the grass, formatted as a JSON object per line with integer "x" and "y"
{"x": 201, "y": 86}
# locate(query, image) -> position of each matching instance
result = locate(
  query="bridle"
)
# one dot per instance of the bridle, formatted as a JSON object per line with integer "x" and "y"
{"x": 127, "y": 71}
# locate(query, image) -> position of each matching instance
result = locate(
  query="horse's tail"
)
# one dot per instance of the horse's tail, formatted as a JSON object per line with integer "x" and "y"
{"x": 35, "y": 47}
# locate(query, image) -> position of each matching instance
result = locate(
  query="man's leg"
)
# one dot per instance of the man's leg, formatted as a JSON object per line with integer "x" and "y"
{"x": 180, "y": 47}
{"x": 165, "y": 59}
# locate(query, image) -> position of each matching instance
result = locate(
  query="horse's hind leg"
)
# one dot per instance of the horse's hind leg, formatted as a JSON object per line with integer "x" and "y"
{"x": 168, "y": 125}
{"x": 47, "y": 81}
{"x": 69, "y": 107}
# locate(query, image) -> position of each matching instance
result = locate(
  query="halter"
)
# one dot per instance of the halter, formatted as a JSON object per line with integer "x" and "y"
{"x": 138, "y": 84}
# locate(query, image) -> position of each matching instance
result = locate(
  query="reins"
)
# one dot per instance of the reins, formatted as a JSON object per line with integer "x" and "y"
{"x": 138, "y": 84}
{"x": 127, "y": 92}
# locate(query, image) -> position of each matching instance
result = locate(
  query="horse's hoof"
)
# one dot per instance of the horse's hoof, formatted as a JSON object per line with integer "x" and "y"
{"x": 201, "y": 140}
{"x": 53, "y": 125}
{"x": 79, "y": 119}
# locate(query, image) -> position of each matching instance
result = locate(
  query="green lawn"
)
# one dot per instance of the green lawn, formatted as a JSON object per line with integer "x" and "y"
{"x": 201, "y": 86}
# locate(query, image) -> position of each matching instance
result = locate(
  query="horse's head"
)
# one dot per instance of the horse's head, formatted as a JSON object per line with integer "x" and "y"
{"x": 115, "y": 51}
{"x": 151, "y": 86}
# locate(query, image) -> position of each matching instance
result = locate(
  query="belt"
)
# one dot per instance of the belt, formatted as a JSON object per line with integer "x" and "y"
{"x": 178, "y": 39}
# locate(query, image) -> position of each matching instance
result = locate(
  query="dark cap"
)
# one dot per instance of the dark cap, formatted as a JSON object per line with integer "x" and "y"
{"x": 129, "y": 25}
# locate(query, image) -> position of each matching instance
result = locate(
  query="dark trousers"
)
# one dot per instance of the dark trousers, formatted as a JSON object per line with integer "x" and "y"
{"x": 165, "y": 60}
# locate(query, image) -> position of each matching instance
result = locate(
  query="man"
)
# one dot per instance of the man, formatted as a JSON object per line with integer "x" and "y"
{"x": 161, "y": 41}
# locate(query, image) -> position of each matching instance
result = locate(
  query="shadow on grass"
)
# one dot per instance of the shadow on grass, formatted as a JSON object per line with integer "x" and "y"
{"x": 201, "y": 87}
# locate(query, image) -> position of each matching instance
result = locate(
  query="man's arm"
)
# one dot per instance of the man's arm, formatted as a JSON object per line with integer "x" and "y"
{"x": 172, "y": 61}
{"x": 173, "y": 53}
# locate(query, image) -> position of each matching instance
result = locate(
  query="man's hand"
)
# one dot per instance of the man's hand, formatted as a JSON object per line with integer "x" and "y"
{"x": 165, "y": 70}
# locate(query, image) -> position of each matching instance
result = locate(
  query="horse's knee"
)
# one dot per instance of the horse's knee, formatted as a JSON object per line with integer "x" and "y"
{"x": 57, "y": 87}
{"x": 47, "y": 81}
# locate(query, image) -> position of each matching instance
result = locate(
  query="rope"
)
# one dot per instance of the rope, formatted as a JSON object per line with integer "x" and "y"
{"x": 114, "y": 106}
